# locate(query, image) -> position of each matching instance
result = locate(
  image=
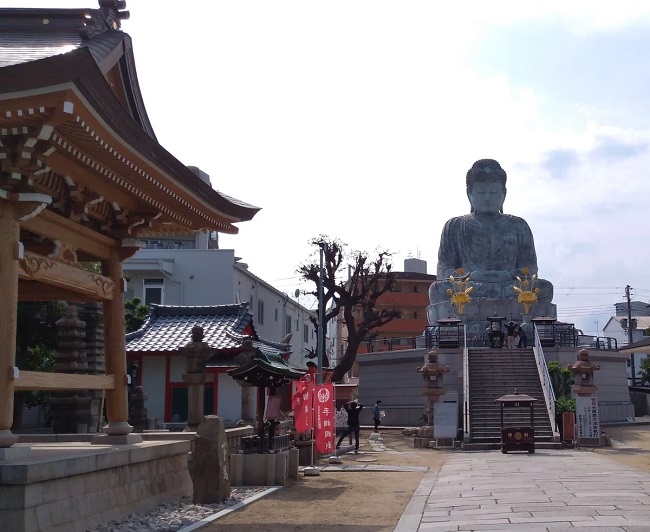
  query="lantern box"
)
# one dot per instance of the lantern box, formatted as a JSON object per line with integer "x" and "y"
{"x": 518, "y": 439}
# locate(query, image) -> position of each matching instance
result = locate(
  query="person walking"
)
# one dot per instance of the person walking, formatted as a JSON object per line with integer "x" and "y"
{"x": 376, "y": 414}
{"x": 511, "y": 328}
{"x": 353, "y": 409}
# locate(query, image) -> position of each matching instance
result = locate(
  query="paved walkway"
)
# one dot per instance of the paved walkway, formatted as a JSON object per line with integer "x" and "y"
{"x": 548, "y": 490}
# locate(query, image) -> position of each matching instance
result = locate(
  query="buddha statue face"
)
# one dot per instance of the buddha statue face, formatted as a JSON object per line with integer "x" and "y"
{"x": 486, "y": 187}
{"x": 487, "y": 198}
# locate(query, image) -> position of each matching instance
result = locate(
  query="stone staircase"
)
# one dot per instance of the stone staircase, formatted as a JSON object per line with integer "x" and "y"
{"x": 494, "y": 373}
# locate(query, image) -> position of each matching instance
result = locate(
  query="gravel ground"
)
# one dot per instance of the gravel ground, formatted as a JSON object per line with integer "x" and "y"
{"x": 180, "y": 515}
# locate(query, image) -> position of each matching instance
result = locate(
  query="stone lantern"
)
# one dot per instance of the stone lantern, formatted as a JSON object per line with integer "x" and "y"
{"x": 196, "y": 353}
{"x": 432, "y": 389}
{"x": 583, "y": 370}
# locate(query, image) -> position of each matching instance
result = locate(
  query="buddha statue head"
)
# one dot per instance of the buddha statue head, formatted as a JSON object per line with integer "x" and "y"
{"x": 486, "y": 186}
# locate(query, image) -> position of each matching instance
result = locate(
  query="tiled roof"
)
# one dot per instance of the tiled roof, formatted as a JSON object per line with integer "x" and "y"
{"x": 224, "y": 328}
{"x": 53, "y": 47}
{"x": 32, "y": 34}
{"x": 266, "y": 370}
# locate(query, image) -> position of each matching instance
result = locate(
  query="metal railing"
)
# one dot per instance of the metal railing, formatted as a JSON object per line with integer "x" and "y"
{"x": 545, "y": 377}
{"x": 435, "y": 336}
{"x": 466, "y": 427}
{"x": 388, "y": 344}
{"x": 596, "y": 342}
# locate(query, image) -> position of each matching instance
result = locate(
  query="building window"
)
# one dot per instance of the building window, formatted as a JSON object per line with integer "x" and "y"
{"x": 287, "y": 324}
{"x": 260, "y": 312}
{"x": 415, "y": 315}
{"x": 416, "y": 288}
{"x": 305, "y": 332}
{"x": 297, "y": 325}
{"x": 276, "y": 314}
{"x": 153, "y": 291}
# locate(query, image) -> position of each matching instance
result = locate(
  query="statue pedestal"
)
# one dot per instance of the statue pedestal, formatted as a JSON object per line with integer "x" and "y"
{"x": 476, "y": 313}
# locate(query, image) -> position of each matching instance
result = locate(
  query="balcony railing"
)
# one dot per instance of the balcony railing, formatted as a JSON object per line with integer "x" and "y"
{"x": 552, "y": 335}
{"x": 596, "y": 342}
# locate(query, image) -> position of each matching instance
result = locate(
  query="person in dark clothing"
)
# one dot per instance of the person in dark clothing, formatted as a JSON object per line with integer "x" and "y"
{"x": 376, "y": 414}
{"x": 512, "y": 329}
{"x": 352, "y": 408}
{"x": 523, "y": 338}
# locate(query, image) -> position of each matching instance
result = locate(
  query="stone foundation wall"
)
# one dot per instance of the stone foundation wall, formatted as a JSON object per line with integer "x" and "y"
{"x": 263, "y": 469}
{"x": 79, "y": 493}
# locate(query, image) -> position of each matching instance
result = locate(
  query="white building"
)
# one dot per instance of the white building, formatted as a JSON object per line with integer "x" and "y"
{"x": 618, "y": 327}
{"x": 191, "y": 273}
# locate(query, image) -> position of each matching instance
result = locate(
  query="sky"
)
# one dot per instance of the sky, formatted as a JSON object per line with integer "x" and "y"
{"x": 359, "y": 120}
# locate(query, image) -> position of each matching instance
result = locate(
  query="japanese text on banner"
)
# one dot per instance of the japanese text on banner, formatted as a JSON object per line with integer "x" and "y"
{"x": 324, "y": 429}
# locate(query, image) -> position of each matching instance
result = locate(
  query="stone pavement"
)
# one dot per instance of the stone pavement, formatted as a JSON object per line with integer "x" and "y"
{"x": 550, "y": 490}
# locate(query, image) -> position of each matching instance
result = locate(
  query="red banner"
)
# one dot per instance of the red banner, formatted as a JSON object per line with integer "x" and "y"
{"x": 301, "y": 404}
{"x": 324, "y": 429}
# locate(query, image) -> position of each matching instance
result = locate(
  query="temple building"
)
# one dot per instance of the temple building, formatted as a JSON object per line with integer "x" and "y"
{"x": 83, "y": 181}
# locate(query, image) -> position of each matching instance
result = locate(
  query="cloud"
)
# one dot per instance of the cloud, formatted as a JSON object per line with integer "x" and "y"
{"x": 558, "y": 163}
{"x": 610, "y": 149}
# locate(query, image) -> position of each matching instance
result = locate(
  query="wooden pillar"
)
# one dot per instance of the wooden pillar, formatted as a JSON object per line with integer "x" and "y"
{"x": 9, "y": 244}
{"x": 117, "y": 404}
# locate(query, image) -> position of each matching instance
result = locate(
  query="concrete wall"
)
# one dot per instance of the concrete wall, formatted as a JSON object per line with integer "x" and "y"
{"x": 74, "y": 493}
{"x": 153, "y": 384}
{"x": 614, "y": 402}
{"x": 191, "y": 276}
{"x": 393, "y": 377}
{"x": 229, "y": 399}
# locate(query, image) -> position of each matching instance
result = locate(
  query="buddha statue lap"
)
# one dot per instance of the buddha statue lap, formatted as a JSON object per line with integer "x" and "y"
{"x": 490, "y": 249}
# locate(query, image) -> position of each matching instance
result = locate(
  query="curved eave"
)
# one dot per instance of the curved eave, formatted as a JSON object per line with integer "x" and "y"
{"x": 100, "y": 128}
{"x": 271, "y": 369}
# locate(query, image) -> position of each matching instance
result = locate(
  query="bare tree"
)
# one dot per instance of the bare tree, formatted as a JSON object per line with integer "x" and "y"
{"x": 354, "y": 298}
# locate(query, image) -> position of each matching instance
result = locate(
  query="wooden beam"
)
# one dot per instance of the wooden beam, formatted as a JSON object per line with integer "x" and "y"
{"x": 62, "y": 164}
{"x": 34, "y": 267}
{"x": 56, "y": 227}
{"x": 35, "y": 380}
{"x": 35, "y": 291}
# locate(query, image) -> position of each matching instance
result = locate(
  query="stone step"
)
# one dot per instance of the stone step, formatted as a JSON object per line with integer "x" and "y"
{"x": 496, "y": 436}
{"x": 496, "y": 446}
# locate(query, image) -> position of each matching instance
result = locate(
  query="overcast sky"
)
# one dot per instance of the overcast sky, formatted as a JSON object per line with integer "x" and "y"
{"x": 359, "y": 120}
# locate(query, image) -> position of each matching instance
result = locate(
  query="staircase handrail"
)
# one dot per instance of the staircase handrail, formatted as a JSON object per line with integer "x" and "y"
{"x": 465, "y": 387}
{"x": 547, "y": 383}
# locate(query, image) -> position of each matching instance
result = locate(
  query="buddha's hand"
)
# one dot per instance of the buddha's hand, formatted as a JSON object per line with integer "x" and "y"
{"x": 494, "y": 276}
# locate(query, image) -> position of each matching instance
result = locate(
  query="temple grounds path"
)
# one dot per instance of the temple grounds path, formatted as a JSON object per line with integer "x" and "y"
{"x": 375, "y": 487}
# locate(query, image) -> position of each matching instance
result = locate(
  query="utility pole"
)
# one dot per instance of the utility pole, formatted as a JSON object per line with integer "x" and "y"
{"x": 629, "y": 332}
{"x": 320, "y": 344}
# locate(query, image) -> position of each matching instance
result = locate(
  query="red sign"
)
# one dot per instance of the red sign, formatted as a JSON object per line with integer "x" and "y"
{"x": 324, "y": 428}
{"x": 301, "y": 403}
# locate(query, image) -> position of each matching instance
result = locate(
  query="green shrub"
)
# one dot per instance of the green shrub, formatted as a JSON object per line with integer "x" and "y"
{"x": 565, "y": 404}
{"x": 561, "y": 378}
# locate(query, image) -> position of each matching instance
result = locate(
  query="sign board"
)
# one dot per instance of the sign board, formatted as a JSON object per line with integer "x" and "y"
{"x": 445, "y": 420}
{"x": 587, "y": 419}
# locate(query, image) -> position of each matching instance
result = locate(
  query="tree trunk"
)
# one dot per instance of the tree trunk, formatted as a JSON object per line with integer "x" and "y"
{"x": 346, "y": 362}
